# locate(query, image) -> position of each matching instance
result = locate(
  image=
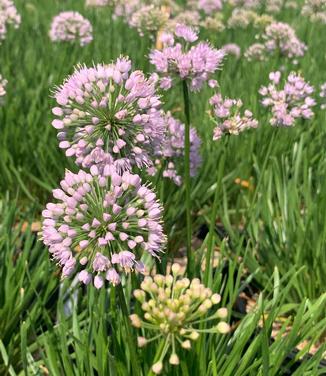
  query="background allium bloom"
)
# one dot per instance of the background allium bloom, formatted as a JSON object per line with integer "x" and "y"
{"x": 170, "y": 154}
{"x": 97, "y": 3}
{"x": 227, "y": 113}
{"x": 174, "y": 308}
{"x": 148, "y": 18}
{"x": 71, "y": 27}
{"x": 102, "y": 224}
{"x": 8, "y": 16}
{"x": 196, "y": 64}
{"x": 3, "y": 84}
{"x": 322, "y": 94}
{"x": 108, "y": 114}
{"x": 280, "y": 37}
{"x": 289, "y": 103}
{"x": 209, "y": 6}
{"x": 232, "y": 49}
{"x": 315, "y": 10}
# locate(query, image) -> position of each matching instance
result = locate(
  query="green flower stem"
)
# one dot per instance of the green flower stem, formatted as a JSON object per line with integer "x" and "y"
{"x": 210, "y": 241}
{"x": 187, "y": 177}
{"x": 130, "y": 341}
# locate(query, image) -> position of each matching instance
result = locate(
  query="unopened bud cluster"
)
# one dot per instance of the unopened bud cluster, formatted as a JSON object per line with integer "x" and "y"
{"x": 174, "y": 307}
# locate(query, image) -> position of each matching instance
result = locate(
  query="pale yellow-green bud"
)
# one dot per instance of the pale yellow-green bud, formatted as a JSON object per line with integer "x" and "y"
{"x": 141, "y": 341}
{"x": 208, "y": 304}
{"x": 159, "y": 279}
{"x": 168, "y": 291}
{"x": 151, "y": 303}
{"x": 222, "y": 313}
{"x": 174, "y": 359}
{"x": 216, "y": 298}
{"x": 139, "y": 295}
{"x": 202, "y": 308}
{"x": 223, "y": 327}
{"x": 153, "y": 287}
{"x": 182, "y": 332}
{"x": 176, "y": 269}
{"x": 168, "y": 280}
{"x": 148, "y": 316}
{"x": 208, "y": 292}
{"x": 194, "y": 335}
{"x": 135, "y": 320}
{"x": 145, "y": 306}
{"x": 185, "y": 282}
{"x": 186, "y": 344}
{"x": 157, "y": 367}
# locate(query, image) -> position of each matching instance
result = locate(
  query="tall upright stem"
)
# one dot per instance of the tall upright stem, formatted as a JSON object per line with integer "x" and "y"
{"x": 187, "y": 176}
{"x": 131, "y": 343}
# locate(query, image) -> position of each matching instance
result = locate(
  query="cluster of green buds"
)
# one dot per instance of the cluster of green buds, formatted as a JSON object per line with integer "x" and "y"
{"x": 175, "y": 309}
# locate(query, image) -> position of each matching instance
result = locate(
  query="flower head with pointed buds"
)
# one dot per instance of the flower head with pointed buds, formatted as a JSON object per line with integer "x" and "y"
{"x": 8, "y": 17}
{"x": 108, "y": 115}
{"x": 102, "y": 224}
{"x": 174, "y": 308}
{"x": 170, "y": 154}
{"x": 229, "y": 119}
{"x": 315, "y": 10}
{"x": 289, "y": 103}
{"x": 70, "y": 27}
{"x": 196, "y": 64}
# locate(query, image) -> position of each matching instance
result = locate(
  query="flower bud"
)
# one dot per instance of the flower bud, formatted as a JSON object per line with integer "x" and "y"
{"x": 222, "y": 313}
{"x": 174, "y": 359}
{"x": 157, "y": 367}
{"x": 141, "y": 341}
{"x": 223, "y": 327}
{"x": 194, "y": 335}
{"x": 186, "y": 344}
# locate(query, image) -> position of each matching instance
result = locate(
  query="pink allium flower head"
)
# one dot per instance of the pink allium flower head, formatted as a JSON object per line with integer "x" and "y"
{"x": 101, "y": 224}
{"x": 232, "y": 49}
{"x": 210, "y": 6}
{"x": 280, "y": 37}
{"x": 148, "y": 18}
{"x": 195, "y": 64}
{"x": 8, "y": 17}
{"x": 227, "y": 113}
{"x": 170, "y": 154}
{"x": 108, "y": 114}
{"x": 71, "y": 27}
{"x": 289, "y": 103}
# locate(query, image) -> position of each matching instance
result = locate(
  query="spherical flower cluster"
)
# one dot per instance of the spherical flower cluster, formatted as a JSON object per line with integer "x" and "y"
{"x": 3, "y": 84}
{"x": 210, "y": 6}
{"x": 232, "y": 49}
{"x": 246, "y": 4}
{"x": 149, "y": 18}
{"x": 170, "y": 154}
{"x": 8, "y": 16}
{"x": 195, "y": 64}
{"x": 315, "y": 10}
{"x": 213, "y": 23}
{"x": 184, "y": 17}
{"x": 97, "y": 3}
{"x": 256, "y": 52}
{"x": 174, "y": 308}
{"x": 229, "y": 119}
{"x": 322, "y": 94}
{"x": 292, "y": 102}
{"x": 71, "y": 27}
{"x": 108, "y": 114}
{"x": 279, "y": 37}
{"x": 101, "y": 224}
{"x": 126, "y": 8}
{"x": 243, "y": 18}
